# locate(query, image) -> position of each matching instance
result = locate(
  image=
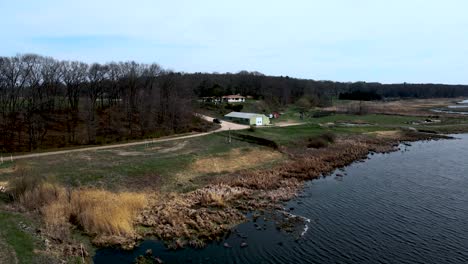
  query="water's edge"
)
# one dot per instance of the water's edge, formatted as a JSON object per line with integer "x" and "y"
{"x": 263, "y": 236}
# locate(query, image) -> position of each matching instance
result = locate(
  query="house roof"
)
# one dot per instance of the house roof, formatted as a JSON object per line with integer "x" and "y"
{"x": 243, "y": 115}
{"x": 233, "y": 96}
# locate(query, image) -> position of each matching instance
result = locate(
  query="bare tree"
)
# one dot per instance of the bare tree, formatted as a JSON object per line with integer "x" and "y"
{"x": 74, "y": 76}
{"x": 97, "y": 74}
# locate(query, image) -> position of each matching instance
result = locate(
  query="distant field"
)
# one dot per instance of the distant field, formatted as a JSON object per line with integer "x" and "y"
{"x": 349, "y": 124}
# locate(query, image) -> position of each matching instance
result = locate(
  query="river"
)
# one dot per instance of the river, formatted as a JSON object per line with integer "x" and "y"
{"x": 409, "y": 206}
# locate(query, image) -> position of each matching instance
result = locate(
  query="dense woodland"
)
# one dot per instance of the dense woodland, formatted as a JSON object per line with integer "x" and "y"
{"x": 51, "y": 103}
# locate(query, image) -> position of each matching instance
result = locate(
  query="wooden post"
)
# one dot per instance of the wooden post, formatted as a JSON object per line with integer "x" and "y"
{"x": 229, "y": 135}
{"x": 82, "y": 255}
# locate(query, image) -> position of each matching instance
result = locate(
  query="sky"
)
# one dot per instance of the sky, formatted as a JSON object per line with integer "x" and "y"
{"x": 414, "y": 41}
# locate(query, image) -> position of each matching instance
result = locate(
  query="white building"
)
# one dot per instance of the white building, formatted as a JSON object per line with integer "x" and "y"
{"x": 233, "y": 99}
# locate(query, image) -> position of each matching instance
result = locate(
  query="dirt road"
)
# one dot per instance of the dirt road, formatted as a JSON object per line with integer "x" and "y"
{"x": 224, "y": 127}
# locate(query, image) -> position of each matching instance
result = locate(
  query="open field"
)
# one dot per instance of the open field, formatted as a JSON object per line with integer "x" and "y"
{"x": 162, "y": 166}
{"x": 354, "y": 124}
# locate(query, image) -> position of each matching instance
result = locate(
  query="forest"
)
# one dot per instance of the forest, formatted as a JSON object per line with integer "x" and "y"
{"x": 46, "y": 103}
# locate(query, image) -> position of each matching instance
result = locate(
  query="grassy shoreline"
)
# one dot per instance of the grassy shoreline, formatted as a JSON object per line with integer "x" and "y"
{"x": 185, "y": 201}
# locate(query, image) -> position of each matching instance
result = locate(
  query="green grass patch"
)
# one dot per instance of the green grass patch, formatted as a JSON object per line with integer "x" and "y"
{"x": 115, "y": 168}
{"x": 20, "y": 241}
{"x": 312, "y": 127}
{"x": 6, "y": 164}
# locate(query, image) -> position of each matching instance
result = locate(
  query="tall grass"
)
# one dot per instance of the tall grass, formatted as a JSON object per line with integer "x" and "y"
{"x": 97, "y": 212}
{"x": 103, "y": 212}
{"x": 33, "y": 192}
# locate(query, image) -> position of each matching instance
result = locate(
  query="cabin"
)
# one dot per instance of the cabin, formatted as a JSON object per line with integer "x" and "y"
{"x": 252, "y": 119}
{"x": 233, "y": 99}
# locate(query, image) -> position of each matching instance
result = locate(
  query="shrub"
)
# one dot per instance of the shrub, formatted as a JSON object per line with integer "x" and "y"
{"x": 329, "y": 137}
{"x": 321, "y": 141}
{"x": 317, "y": 142}
{"x": 22, "y": 184}
{"x": 252, "y": 128}
{"x": 32, "y": 192}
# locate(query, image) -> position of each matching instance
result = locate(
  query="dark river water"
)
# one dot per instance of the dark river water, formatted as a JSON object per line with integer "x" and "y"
{"x": 409, "y": 206}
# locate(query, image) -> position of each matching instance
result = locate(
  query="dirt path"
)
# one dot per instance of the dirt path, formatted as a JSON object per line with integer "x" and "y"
{"x": 224, "y": 126}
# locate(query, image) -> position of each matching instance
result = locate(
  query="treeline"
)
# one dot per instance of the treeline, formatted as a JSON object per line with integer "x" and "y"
{"x": 46, "y": 102}
{"x": 406, "y": 90}
{"x": 285, "y": 90}
{"x": 360, "y": 95}
{"x": 50, "y": 103}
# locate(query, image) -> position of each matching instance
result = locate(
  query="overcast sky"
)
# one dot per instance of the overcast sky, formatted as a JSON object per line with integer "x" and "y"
{"x": 344, "y": 40}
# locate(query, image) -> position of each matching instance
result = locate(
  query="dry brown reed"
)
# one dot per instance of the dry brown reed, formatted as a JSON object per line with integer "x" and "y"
{"x": 101, "y": 212}
{"x": 97, "y": 212}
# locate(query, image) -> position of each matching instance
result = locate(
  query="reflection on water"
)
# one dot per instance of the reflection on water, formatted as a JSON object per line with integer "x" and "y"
{"x": 405, "y": 207}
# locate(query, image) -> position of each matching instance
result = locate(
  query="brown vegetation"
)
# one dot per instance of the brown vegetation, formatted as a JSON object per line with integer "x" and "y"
{"x": 194, "y": 218}
{"x": 98, "y": 213}
{"x": 102, "y": 212}
{"x": 411, "y": 107}
{"x": 321, "y": 141}
{"x": 208, "y": 213}
{"x": 235, "y": 160}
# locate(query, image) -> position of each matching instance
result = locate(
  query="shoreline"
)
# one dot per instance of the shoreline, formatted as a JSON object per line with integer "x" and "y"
{"x": 207, "y": 214}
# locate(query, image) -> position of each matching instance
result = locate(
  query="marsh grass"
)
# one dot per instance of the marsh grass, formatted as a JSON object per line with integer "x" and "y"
{"x": 102, "y": 212}
{"x": 97, "y": 212}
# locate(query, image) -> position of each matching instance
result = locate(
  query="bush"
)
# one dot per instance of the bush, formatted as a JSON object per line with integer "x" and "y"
{"x": 329, "y": 137}
{"x": 321, "y": 141}
{"x": 317, "y": 142}
{"x": 32, "y": 192}
{"x": 22, "y": 184}
{"x": 252, "y": 128}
